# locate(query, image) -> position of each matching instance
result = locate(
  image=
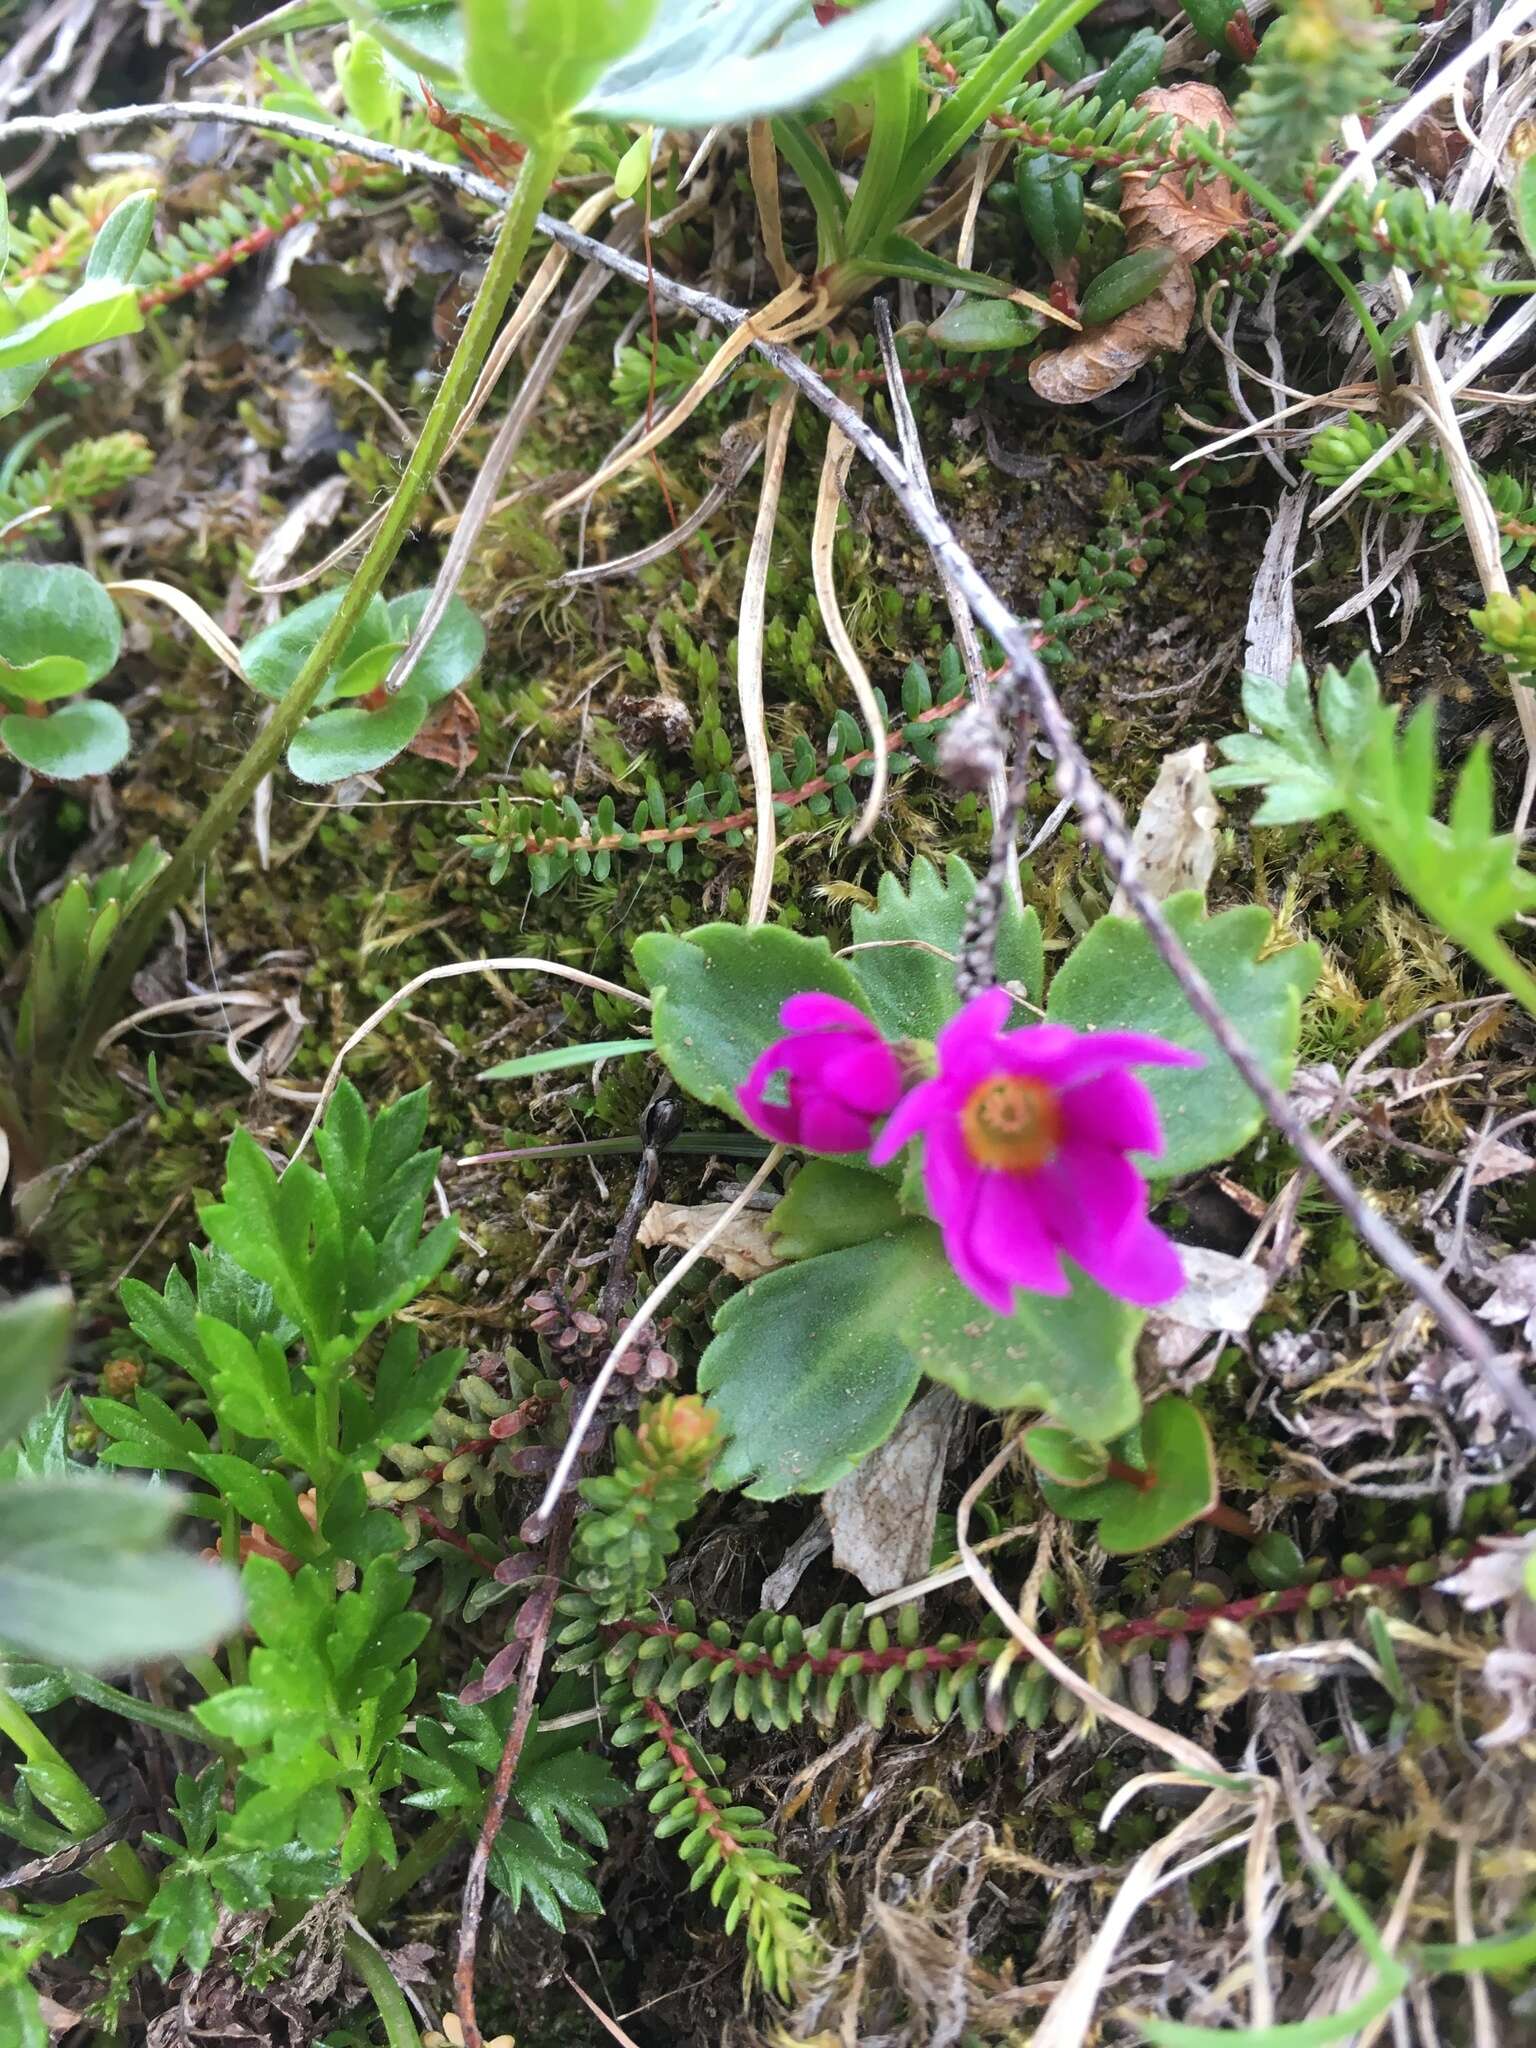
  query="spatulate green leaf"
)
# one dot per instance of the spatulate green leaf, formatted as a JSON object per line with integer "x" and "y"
{"x": 1115, "y": 980}
{"x": 718, "y": 991}
{"x": 910, "y": 990}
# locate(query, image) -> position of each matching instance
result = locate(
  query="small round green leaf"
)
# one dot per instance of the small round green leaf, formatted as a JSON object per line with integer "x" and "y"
{"x": 453, "y": 653}
{"x": 352, "y": 741}
{"x": 1064, "y": 1459}
{"x": 534, "y": 63}
{"x": 50, "y": 610}
{"x": 81, "y": 739}
{"x": 829, "y": 1207}
{"x": 366, "y": 673}
{"x": 1180, "y": 1469}
{"x": 273, "y": 657}
{"x": 1276, "y": 1562}
{"x": 43, "y": 681}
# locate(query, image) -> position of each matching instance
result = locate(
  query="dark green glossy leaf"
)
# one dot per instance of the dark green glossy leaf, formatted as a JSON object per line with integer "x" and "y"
{"x": 976, "y": 325}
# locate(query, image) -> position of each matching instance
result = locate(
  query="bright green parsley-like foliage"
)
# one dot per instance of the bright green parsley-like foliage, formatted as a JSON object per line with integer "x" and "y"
{"x": 207, "y": 1873}
{"x": 1347, "y": 754}
{"x": 561, "y": 1787}
{"x": 1320, "y": 60}
{"x": 278, "y": 1330}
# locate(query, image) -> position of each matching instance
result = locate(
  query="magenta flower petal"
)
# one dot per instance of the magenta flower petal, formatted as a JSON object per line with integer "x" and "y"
{"x": 975, "y": 1027}
{"x": 867, "y": 1077}
{"x": 1010, "y": 1236}
{"x": 1092, "y": 1196}
{"x": 984, "y": 1281}
{"x": 1142, "y": 1267}
{"x": 1026, "y": 1135}
{"x": 826, "y": 1125}
{"x": 813, "y": 1011}
{"x": 1119, "y": 1112}
{"x": 835, "y": 1073}
{"x": 1107, "y": 1052}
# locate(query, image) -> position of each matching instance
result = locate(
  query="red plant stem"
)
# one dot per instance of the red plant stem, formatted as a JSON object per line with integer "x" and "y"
{"x": 1171, "y": 1622}
{"x": 1129, "y": 1475}
{"x": 1232, "y": 1520}
{"x": 473, "y": 1904}
{"x": 444, "y": 1534}
{"x": 703, "y": 1803}
{"x": 346, "y": 180}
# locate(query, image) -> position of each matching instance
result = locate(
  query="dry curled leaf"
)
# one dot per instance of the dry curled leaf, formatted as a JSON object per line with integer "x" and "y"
{"x": 1220, "y": 1295}
{"x": 450, "y": 735}
{"x": 743, "y": 1248}
{"x": 1175, "y": 836}
{"x": 1106, "y": 357}
{"x": 1181, "y": 213}
{"x": 882, "y": 1516}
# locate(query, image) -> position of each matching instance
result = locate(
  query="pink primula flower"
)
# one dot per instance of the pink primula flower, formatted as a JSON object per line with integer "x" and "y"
{"x": 1025, "y": 1136}
{"x": 840, "y": 1077}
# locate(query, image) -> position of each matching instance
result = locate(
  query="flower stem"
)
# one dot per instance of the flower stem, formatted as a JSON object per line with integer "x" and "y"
{"x": 267, "y": 750}
{"x": 389, "y": 2000}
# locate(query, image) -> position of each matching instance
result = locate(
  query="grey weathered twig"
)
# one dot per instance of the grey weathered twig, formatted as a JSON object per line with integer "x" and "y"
{"x": 1102, "y": 823}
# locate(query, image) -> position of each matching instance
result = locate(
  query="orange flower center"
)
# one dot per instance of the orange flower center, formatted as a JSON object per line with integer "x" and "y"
{"x": 1012, "y": 1123}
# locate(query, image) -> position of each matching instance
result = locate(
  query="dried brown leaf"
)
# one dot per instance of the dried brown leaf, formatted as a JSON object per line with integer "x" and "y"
{"x": 1169, "y": 212}
{"x": 1175, "y": 835}
{"x": 450, "y": 734}
{"x": 1106, "y": 357}
{"x": 744, "y": 1248}
{"x": 882, "y": 1516}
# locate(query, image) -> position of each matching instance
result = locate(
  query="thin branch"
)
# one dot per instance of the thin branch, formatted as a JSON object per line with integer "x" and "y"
{"x": 473, "y": 1902}
{"x": 740, "y": 446}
